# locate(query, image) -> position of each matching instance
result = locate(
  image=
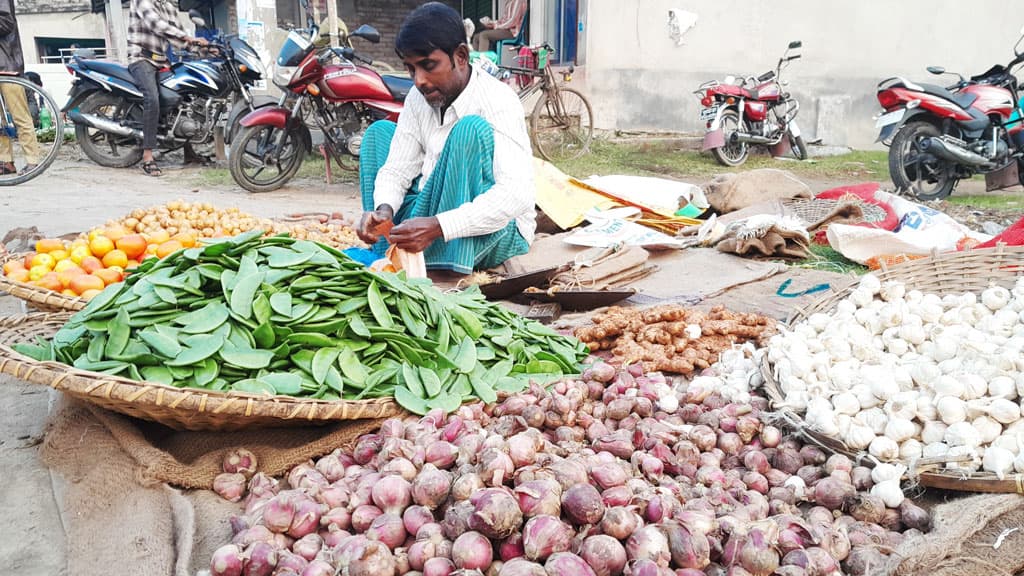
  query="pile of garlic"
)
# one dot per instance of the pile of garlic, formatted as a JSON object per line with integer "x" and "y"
{"x": 735, "y": 373}
{"x": 907, "y": 375}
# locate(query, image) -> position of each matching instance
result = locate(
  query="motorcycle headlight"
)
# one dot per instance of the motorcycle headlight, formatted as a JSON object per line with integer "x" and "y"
{"x": 283, "y": 75}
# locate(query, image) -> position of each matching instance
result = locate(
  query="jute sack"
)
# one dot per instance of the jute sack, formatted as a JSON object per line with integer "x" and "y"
{"x": 729, "y": 192}
{"x": 974, "y": 536}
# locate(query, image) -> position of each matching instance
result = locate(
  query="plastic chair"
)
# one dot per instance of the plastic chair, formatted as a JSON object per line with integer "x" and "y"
{"x": 521, "y": 39}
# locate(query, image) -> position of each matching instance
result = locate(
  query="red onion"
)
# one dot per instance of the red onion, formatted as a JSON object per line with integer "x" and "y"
{"x": 308, "y": 546}
{"x": 538, "y": 497}
{"x": 756, "y": 481}
{"x": 770, "y": 436}
{"x": 227, "y": 561}
{"x": 569, "y": 473}
{"x": 279, "y": 512}
{"x": 820, "y": 516}
{"x": 258, "y": 533}
{"x": 229, "y": 485}
{"x": 747, "y": 427}
{"x": 831, "y": 493}
{"x": 649, "y": 543}
{"x": 453, "y": 429}
{"x": 814, "y": 560}
{"x": 604, "y": 554}
{"x": 495, "y": 467}
{"x": 812, "y": 455}
{"x": 756, "y": 556}
{"x": 688, "y": 549}
{"x": 367, "y": 448}
{"x": 261, "y": 485}
{"x": 415, "y": 517}
{"x": 617, "y": 496}
{"x": 306, "y": 519}
{"x": 260, "y": 559}
{"x": 837, "y": 462}
{"x": 620, "y": 522}
{"x": 511, "y": 547}
{"x": 810, "y": 474}
{"x": 609, "y": 475}
{"x": 891, "y": 520}
{"x": 441, "y": 454}
{"x": 306, "y": 477}
{"x": 756, "y": 462}
{"x": 616, "y": 444}
{"x": 545, "y": 535}
{"x": 472, "y": 551}
{"x": 864, "y": 561}
{"x": 438, "y": 567}
{"x": 522, "y": 449}
{"x": 657, "y": 508}
{"x": 522, "y": 567}
{"x": 331, "y": 467}
{"x": 497, "y": 514}
{"x": 420, "y": 552}
{"x": 861, "y": 478}
{"x": 333, "y": 496}
{"x": 787, "y": 460}
{"x": 392, "y": 494}
{"x": 601, "y": 372}
{"x": 241, "y": 461}
{"x": 289, "y": 561}
{"x": 836, "y": 543}
{"x": 865, "y": 507}
{"x": 339, "y": 517}
{"x": 387, "y": 528}
{"x": 466, "y": 485}
{"x": 564, "y": 563}
{"x": 915, "y": 517}
{"x": 456, "y": 519}
{"x": 703, "y": 437}
{"x": 364, "y": 515}
{"x": 319, "y": 568}
{"x": 431, "y": 486}
{"x": 392, "y": 428}
{"x": 399, "y": 467}
{"x": 366, "y": 558}
{"x": 582, "y": 504}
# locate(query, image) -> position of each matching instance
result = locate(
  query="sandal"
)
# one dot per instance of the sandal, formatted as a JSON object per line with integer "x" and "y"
{"x": 152, "y": 169}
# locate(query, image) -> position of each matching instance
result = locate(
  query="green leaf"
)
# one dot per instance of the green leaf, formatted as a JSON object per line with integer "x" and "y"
{"x": 353, "y": 304}
{"x": 206, "y": 372}
{"x": 158, "y": 374}
{"x": 202, "y": 347}
{"x": 254, "y": 386}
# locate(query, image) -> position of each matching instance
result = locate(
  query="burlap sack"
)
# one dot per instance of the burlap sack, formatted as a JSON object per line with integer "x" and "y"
{"x": 974, "y": 536}
{"x": 776, "y": 242}
{"x": 610, "y": 268}
{"x": 729, "y": 192}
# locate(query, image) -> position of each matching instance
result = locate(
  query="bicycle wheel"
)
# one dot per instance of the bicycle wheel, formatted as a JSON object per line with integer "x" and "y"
{"x": 30, "y": 116}
{"x": 561, "y": 125}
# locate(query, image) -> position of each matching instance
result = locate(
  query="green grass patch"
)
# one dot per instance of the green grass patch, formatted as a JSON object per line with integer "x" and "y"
{"x": 825, "y": 258}
{"x": 1013, "y": 202}
{"x": 312, "y": 168}
{"x": 670, "y": 158}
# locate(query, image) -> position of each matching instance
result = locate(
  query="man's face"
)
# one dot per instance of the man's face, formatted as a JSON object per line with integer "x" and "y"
{"x": 438, "y": 77}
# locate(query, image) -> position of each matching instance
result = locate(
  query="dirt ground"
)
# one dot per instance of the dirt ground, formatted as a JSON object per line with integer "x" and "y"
{"x": 73, "y": 196}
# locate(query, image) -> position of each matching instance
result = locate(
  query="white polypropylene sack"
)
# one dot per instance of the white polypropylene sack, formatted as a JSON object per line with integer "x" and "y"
{"x": 655, "y": 194}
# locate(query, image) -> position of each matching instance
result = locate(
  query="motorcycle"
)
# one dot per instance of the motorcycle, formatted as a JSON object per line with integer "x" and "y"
{"x": 323, "y": 87}
{"x": 106, "y": 105}
{"x": 938, "y": 136}
{"x": 752, "y": 111}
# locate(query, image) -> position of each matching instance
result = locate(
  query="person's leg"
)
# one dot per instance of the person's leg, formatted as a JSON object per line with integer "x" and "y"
{"x": 17, "y": 107}
{"x": 6, "y": 156}
{"x": 145, "y": 75}
{"x": 486, "y": 37}
{"x": 464, "y": 171}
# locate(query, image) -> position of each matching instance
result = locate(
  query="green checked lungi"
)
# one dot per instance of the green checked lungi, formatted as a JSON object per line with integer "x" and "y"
{"x": 464, "y": 171}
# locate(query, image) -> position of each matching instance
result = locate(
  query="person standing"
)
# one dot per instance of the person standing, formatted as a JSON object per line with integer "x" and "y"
{"x": 504, "y": 29}
{"x": 12, "y": 62}
{"x": 152, "y": 24}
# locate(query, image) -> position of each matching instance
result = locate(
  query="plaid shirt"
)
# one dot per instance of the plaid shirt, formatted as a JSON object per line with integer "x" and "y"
{"x": 151, "y": 24}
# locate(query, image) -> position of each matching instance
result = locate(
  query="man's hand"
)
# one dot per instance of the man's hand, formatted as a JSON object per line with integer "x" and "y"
{"x": 416, "y": 234}
{"x": 370, "y": 220}
{"x": 198, "y": 41}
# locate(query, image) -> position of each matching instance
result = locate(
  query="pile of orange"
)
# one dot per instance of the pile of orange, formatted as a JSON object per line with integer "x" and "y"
{"x": 84, "y": 267}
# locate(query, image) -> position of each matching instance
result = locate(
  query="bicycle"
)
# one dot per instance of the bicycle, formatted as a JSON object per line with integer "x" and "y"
{"x": 561, "y": 124}
{"x": 45, "y": 119}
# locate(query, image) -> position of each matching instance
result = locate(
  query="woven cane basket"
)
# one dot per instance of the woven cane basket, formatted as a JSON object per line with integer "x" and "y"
{"x": 178, "y": 408}
{"x": 37, "y": 297}
{"x": 973, "y": 270}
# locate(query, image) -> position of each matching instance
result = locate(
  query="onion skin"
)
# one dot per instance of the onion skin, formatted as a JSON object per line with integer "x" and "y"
{"x": 545, "y": 535}
{"x": 472, "y": 551}
{"x": 564, "y": 563}
{"x": 688, "y": 549}
{"x": 261, "y": 559}
{"x": 605, "y": 555}
{"x": 229, "y": 485}
{"x": 226, "y": 561}
{"x": 522, "y": 567}
{"x": 497, "y": 515}
{"x": 241, "y": 461}
{"x": 583, "y": 504}
{"x": 620, "y": 522}
{"x": 649, "y": 543}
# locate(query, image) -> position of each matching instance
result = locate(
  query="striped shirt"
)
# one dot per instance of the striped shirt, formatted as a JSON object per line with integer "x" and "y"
{"x": 151, "y": 25}
{"x": 421, "y": 135}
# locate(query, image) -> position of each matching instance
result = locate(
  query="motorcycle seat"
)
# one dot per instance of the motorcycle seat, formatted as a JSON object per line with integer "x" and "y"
{"x": 962, "y": 100}
{"x": 398, "y": 86}
{"x": 733, "y": 90}
{"x": 112, "y": 69}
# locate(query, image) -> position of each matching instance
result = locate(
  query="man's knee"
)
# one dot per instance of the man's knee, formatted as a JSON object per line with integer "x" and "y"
{"x": 379, "y": 129}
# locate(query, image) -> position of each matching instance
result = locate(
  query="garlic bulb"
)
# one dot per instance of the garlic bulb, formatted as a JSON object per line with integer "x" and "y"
{"x": 873, "y": 418}
{"x": 885, "y": 471}
{"x": 797, "y": 484}
{"x": 870, "y": 284}
{"x": 1008, "y": 441}
{"x": 947, "y": 385}
{"x": 846, "y": 403}
{"x": 859, "y": 437}
{"x": 884, "y": 448}
{"x": 935, "y": 450}
{"x": 951, "y": 409}
{"x": 900, "y": 429}
{"x": 924, "y": 374}
{"x": 890, "y": 493}
{"x": 1018, "y": 462}
{"x": 911, "y": 450}
{"x": 998, "y": 461}
{"x": 974, "y": 386}
{"x": 962, "y": 434}
{"x": 1002, "y": 387}
{"x": 963, "y": 458}
{"x": 1004, "y": 411}
{"x": 892, "y": 290}
{"x": 995, "y": 297}
{"x": 933, "y": 431}
{"x": 987, "y": 428}
{"x": 861, "y": 297}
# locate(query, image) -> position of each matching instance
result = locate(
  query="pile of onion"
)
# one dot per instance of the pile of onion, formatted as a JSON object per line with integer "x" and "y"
{"x": 615, "y": 473}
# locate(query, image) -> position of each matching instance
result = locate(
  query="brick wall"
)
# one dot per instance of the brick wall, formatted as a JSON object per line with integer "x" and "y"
{"x": 384, "y": 15}
{"x": 45, "y": 6}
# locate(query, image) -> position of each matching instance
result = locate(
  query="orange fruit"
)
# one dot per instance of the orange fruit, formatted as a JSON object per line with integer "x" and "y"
{"x": 115, "y": 232}
{"x": 28, "y": 259}
{"x": 50, "y": 281}
{"x": 84, "y": 282}
{"x": 48, "y": 245}
{"x": 187, "y": 239}
{"x": 159, "y": 237}
{"x": 90, "y": 294}
{"x": 79, "y": 253}
{"x": 65, "y": 265}
{"x": 65, "y": 276}
{"x": 115, "y": 258}
{"x": 59, "y": 255}
{"x": 100, "y": 245}
{"x": 12, "y": 265}
{"x": 19, "y": 275}
{"x": 108, "y": 275}
{"x": 151, "y": 249}
{"x": 118, "y": 269}
{"x": 68, "y": 292}
{"x": 43, "y": 260}
{"x": 133, "y": 245}
{"x": 91, "y": 264}
{"x": 167, "y": 248}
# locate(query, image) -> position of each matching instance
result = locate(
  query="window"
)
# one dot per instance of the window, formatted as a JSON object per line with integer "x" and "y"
{"x": 563, "y": 20}
{"x": 57, "y": 50}
{"x": 290, "y": 14}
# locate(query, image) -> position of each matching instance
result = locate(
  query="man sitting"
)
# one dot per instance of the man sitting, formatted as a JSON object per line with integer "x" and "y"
{"x": 455, "y": 174}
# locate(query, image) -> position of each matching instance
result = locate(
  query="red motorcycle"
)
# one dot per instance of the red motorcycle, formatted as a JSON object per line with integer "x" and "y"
{"x": 325, "y": 89}
{"x": 938, "y": 136}
{"x": 753, "y": 111}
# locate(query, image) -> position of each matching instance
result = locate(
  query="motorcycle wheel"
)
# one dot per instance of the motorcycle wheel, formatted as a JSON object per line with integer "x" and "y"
{"x": 922, "y": 175}
{"x": 102, "y": 148}
{"x": 731, "y": 153}
{"x": 259, "y": 163}
{"x": 798, "y": 146}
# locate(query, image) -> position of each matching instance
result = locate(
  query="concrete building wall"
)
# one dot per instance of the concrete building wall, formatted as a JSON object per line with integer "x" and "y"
{"x": 57, "y": 25}
{"x": 637, "y": 78}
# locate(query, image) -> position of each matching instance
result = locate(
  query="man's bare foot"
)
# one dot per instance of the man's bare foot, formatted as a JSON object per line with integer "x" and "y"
{"x": 446, "y": 277}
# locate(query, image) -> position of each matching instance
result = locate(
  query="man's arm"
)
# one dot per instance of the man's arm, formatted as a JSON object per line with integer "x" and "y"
{"x": 513, "y": 192}
{"x": 155, "y": 22}
{"x": 7, "y": 23}
{"x": 515, "y": 17}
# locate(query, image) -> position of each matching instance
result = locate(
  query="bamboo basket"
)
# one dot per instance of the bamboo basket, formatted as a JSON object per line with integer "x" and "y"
{"x": 35, "y": 296}
{"x": 178, "y": 408}
{"x": 973, "y": 270}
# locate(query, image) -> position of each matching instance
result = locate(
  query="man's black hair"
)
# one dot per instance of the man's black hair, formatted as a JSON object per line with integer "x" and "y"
{"x": 432, "y": 26}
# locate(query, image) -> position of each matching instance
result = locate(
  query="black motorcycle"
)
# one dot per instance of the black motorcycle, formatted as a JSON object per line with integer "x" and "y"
{"x": 196, "y": 95}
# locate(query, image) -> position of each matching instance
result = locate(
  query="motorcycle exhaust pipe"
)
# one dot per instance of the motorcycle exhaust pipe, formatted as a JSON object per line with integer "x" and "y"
{"x": 750, "y": 138}
{"x": 111, "y": 127}
{"x": 952, "y": 152}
